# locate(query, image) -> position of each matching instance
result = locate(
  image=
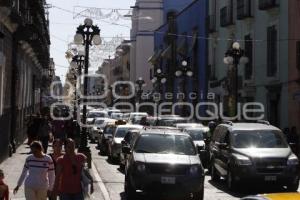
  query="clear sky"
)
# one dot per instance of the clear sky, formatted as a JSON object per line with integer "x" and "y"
{"x": 63, "y": 25}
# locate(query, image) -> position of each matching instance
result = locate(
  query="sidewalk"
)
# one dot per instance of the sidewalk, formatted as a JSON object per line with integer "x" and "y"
{"x": 13, "y": 166}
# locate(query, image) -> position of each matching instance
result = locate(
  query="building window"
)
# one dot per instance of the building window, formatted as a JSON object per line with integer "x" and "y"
{"x": 271, "y": 51}
{"x": 244, "y": 9}
{"x": 249, "y": 54}
{"x": 298, "y": 55}
{"x": 226, "y": 15}
{"x": 2, "y": 65}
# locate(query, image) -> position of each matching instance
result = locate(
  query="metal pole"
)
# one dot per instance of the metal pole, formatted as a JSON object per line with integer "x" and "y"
{"x": 84, "y": 141}
{"x": 236, "y": 95}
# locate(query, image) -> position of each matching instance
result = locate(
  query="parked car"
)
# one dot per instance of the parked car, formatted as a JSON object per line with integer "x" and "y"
{"x": 117, "y": 116}
{"x": 110, "y": 112}
{"x": 164, "y": 161}
{"x": 128, "y": 141}
{"x": 114, "y": 147}
{"x": 92, "y": 115}
{"x": 275, "y": 196}
{"x": 105, "y": 137}
{"x": 136, "y": 115}
{"x": 98, "y": 127}
{"x": 199, "y": 134}
{"x": 252, "y": 152}
{"x": 170, "y": 120}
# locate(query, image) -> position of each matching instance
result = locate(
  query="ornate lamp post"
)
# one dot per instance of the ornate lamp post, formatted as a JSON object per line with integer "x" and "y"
{"x": 77, "y": 63}
{"x": 87, "y": 34}
{"x": 159, "y": 79}
{"x": 184, "y": 70}
{"x": 140, "y": 83}
{"x": 233, "y": 57}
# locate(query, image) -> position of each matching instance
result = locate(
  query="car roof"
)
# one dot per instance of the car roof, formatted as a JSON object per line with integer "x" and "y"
{"x": 275, "y": 196}
{"x": 197, "y": 128}
{"x": 138, "y": 113}
{"x": 160, "y": 131}
{"x": 249, "y": 126}
{"x": 131, "y": 126}
{"x": 190, "y": 124}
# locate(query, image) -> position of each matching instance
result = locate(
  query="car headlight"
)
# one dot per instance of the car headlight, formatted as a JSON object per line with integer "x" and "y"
{"x": 293, "y": 160}
{"x": 194, "y": 169}
{"x": 141, "y": 167}
{"x": 242, "y": 160}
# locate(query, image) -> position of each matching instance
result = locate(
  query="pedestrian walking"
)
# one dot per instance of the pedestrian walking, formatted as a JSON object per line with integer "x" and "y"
{"x": 44, "y": 132}
{"x": 38, "y": 173}
{"x": 69, "y": 174}
{"x": 4, "y": 190}
{"x": 58, "y": 129}
{"x": 57, "y": 152}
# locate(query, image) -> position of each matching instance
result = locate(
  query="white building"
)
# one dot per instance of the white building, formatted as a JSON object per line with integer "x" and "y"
{"x": 147, "y": 17}
{"x": 260, "y": 27}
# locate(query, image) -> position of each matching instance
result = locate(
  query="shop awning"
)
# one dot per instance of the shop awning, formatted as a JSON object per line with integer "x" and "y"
{"x": 182, "y": 47}
{"x": 155, "y": 57}
{"x": 167, "y": 53}
{"x": 194, "y": 40}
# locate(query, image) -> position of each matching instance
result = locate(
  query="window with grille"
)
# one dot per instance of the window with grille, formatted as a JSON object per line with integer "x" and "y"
{"x": 298, "y": 55}
{"x": 271, "y": 51}
{"x": 249, "y": 55}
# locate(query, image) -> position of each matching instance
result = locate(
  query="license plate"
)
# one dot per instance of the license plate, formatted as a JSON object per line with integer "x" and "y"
{"x": 168, "y": 180}
{"x": 270, "y": 178}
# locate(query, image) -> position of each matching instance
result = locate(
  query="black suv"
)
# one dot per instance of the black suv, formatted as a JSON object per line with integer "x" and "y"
{"x": 164, "y": 162}
{"x": 252, "y": 152}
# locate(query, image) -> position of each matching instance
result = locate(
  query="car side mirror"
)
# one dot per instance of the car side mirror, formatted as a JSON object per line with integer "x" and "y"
{"x": 126, "y": 149}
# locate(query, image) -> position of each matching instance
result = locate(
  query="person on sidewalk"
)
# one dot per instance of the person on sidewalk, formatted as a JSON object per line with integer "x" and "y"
{"x": 4, "y": 191}
{"x": 57, "y": 152}
{"x": 69, "y": 173}
{"x": 44, "y": 132}
{"x": 38, "y": 173}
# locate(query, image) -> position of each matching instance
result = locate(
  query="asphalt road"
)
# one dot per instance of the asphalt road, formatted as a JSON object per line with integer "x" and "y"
{"x": 113, "y": 180}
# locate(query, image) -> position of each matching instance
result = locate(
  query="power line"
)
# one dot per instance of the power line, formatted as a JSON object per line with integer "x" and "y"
{"x": 72, "y": 12}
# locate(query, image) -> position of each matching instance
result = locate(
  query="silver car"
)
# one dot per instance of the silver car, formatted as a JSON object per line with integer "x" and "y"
{"x": 164, "y": 162}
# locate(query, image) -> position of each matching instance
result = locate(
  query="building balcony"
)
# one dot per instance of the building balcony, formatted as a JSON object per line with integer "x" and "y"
{"x": 267, "y": 4}
{"x": 244, "y": 9}
{"x": 212, "y": 23}
{"x": 226, "y": 16}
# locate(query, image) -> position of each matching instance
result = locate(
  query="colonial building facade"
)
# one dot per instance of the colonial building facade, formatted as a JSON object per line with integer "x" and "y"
{"x": 268, "y": 32}
{"x": 24, "y": 67}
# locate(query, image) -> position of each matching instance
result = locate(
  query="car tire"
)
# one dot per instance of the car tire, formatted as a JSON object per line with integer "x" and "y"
{"x": 198, "y": 195}
{"x": 231, "y": 183}
{"x": 130, "y": 192}
{"x": 293, "y": 187}
{"x": 213, "y": 173}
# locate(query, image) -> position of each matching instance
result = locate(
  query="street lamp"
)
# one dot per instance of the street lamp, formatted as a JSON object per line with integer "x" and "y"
{"x": 159, "y": 78}
{"x": 233, "y": 57}
{"x": 140, "y": 83}
{"x": 77, "y": 63}
{"x": 184, "y": 70}
{"x": 87, "y": 34}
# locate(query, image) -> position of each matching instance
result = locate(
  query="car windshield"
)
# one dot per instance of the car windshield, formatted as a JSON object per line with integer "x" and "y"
{"x": 196, "y": 135}
{"x": 165, "y": 144}
{"x": 258, "y": 139}
{"x": 96, "y": 114}
{"x": 99, "y": 122}
{"x": 121, "y": 132}
{"x": 109, "y": 130}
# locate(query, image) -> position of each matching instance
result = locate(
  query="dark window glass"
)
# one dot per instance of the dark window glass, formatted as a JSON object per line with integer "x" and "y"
{"x": 249, "y": 54}
{"x": 258, "y": 139}
{"x": 298, "y": 54}
{"x": 271, "y": 51}
{"x": 165, "y": 144}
